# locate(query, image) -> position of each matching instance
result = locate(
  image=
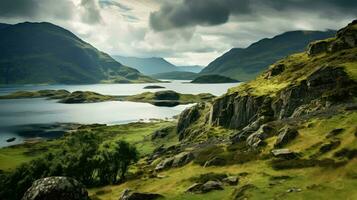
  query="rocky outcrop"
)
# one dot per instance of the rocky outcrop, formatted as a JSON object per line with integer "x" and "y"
{"x": 178, "y": 160}
{"x": 346, "y": 38}
{"x": 188, "y": 117}
{"x": 206, "y": 187}
{"x": 286, "y": 135}
{"x": 56, "y": 188}
{"x": 131, "y": 195}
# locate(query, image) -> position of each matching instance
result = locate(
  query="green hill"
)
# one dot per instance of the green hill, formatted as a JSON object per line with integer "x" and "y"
{"x": 246, "y": 64}
{"x": 155, "y": 65}
{"x": 213, "y": 79}
{"x": 176, "y": 75}
{"x": 43, "y": 53}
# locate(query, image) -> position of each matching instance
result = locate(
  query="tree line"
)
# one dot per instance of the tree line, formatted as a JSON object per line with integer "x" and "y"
{"x": 83, "y": 156}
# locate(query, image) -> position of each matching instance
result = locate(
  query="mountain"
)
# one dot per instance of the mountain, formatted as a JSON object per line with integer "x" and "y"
{"x": 192, "y": 68}
{"x": 246, "y": 64}
{"x": 155, "y": 65}
{"x": 176, "y": 75}
{"x": 43, "y": 53}
{"x": 147, "y": 66}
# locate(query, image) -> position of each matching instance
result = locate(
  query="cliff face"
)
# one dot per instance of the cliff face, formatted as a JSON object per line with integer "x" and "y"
{"x": 294, "y": 87}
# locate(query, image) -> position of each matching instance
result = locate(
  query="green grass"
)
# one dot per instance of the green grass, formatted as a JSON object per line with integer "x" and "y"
{"x": 138, "y": 134}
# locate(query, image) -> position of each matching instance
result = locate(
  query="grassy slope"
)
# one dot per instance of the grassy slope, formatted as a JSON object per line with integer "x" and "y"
{"x": 315, "y": 182}
{"x": 135, "y": 133}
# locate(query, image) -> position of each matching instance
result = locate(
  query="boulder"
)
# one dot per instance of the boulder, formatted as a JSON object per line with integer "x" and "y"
{"x": 195, "y": 188}
{"x": 257, "y": 138}
{"x": 187, "y": 117}
{"x": 56, "y": 188}
{"x": 231, "y": 180}
{"x": 283, "y": 153}
{"x": 182, "y": 159}
{"x": 211, "y": 185}
{"x": 167, "y": 163}
{"x": 286, "y": 135}
{"x": 131, "y": 195}
{"x": 318, "y": 47}
{"x": 215, "y": 161}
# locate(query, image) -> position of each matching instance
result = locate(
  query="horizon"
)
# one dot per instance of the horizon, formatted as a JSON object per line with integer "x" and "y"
{"x": 187, "y": 35}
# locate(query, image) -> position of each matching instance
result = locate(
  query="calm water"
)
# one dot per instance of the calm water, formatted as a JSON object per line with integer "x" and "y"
{"x": 20, "y": 114}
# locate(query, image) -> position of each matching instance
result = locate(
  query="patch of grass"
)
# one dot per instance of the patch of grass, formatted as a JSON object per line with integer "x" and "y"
{"x": 138, "y": 134}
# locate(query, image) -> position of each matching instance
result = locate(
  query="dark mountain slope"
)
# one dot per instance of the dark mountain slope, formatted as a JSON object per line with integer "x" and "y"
{"x": 245, "y": 64}
{"x": 147, "y": 66}
{"x": 46, "y": 53}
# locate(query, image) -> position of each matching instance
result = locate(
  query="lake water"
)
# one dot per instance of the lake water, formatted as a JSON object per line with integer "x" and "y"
{"x": 18, "y": 115}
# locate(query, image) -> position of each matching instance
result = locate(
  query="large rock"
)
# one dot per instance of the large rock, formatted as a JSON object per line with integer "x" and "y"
{"x": 167, "y": 163}
{"x": 211, "y": 185}
{"x": 318, "y": 47}
{"x": 182, "y": 159}
{"x": 131, "y": 195}
{"x": 188, "y": 117}
{"x": 286, "y": 135}
{"x": 284, "y": 153}
{"x": 231, "y": 180}
{"x": 56, "y": 188}
{"x": 257, "y": 138}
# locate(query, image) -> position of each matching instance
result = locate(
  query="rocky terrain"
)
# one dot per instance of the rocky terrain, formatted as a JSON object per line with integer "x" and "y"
{"x": 272, "y": 137}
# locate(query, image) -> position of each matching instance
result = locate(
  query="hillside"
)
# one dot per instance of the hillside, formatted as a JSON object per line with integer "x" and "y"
{"x": 147, "y": 66}
{"x": 213, "y": 79}
{"x": 246, "y": 64}
{"x": 155, "y": 65}
{"x": 43, "y": 53}
{"x": 192, "y": 68}
{"x": 176, "y": 75}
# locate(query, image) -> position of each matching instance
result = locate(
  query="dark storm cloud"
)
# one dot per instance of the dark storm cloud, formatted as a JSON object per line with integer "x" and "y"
{"x": 196, "y": 12}
{"x": 214, "y": 12}
{"x": 14, "y": 8}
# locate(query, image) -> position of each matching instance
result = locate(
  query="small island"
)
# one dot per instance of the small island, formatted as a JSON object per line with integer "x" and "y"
{"x": 63, "y": 96}
{"x": 154, "y": 87}
{"x": 169, "y": 98}
{"x": 160, "y": 98}
{"x": 214, "y": 79}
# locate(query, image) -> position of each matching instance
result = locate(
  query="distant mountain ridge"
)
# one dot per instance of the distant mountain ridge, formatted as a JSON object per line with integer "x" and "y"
{"x": 246, "y": 63}
{"x": 43, "y": 53}
{"x": 154, "y": 65}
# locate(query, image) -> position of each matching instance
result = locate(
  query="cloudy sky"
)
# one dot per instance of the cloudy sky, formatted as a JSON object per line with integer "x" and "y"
{"x": 185, "y": 32}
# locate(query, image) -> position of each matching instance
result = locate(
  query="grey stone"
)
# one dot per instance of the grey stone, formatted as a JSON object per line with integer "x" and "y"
{"x": 56, "y": 188}
{"x": 231, "y": 180}
{"x": 212, "y": 185}
{"x": 286, "y": 135}
{"x": 131, "y": 195}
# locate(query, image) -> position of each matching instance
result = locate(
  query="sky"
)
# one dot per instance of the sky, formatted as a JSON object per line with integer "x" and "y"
{"x": 185, "y": 32}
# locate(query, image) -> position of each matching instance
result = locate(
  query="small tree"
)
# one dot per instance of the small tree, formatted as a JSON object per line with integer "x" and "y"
{"x": 126, "y": 154}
